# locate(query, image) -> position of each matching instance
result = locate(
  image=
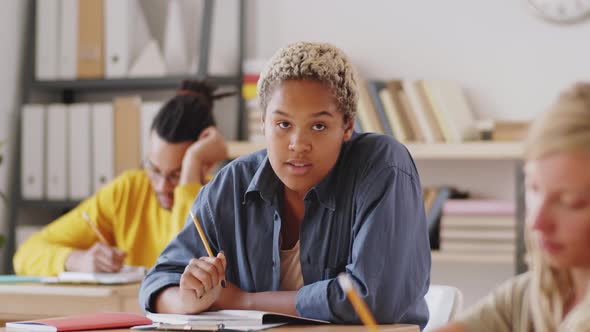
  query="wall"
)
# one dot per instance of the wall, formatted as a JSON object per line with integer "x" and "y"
{"x": 511, "y": 62}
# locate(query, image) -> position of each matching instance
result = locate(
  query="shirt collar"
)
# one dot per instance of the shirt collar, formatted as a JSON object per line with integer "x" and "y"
{"x": 268, "y": 185}
{"x": 265, "y": 182}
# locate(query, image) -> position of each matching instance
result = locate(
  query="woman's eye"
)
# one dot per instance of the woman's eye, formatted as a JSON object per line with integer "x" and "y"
{"x": 284, "y": 125}
{"x": 318, "y": 127}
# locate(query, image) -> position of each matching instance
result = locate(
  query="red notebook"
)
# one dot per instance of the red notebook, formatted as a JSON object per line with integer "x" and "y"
{"x": 94, "y": 321}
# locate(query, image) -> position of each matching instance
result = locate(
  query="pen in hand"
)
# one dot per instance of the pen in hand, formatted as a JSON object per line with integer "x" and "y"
{"x": 204, "y": 240}
{"x": 101, "y": 238}
{"x": 99, "y": 257}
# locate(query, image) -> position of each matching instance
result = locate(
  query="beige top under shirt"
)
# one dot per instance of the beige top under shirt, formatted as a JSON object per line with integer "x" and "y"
{"x": 291, "y": 277}
{"x": 507, "y": 308}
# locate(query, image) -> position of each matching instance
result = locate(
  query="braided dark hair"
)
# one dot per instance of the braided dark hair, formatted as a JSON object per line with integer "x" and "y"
{"x": 185, "y": 115}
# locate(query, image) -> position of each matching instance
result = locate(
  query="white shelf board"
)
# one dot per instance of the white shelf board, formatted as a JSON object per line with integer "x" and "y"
{"x": 481, "y": 150}
{"x": 440, "y": 257}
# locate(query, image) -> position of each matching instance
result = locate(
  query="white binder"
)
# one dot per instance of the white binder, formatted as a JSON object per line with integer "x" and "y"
{"x": 32, "y": 160}
{"x": 103, "y": 146}
{"x": 150, "y": 62}
{"x": 149, "y": 109}
{"x": 47, "y": 39}
{"x": 56, "y": 147}
{"x": 68, "y": 48}
{"x": 175, "y": 43}
{"x": 80, "y": 180}
{"x": 126, "y": 35}
{"x": 223, "y": 52}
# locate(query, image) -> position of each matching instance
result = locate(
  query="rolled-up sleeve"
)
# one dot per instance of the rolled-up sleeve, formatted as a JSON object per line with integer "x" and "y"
{"x": 390, "y": 258}
{"x": 176, "y": 256}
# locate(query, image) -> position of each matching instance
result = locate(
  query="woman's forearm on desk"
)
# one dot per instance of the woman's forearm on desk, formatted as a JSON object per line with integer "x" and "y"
{"x": 170, "y": 300}
{"x": 233, "y": 297}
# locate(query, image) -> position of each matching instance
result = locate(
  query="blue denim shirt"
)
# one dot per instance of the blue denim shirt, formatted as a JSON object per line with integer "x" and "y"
{"x": 366, "y": 218}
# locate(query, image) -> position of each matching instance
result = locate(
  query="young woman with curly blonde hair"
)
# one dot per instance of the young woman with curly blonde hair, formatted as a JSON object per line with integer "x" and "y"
{"x": 553, "y": 295}
{"x": 319, "y": 201}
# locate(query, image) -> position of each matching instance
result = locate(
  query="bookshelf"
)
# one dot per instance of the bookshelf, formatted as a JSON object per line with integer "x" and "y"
{"x": 66, "y": 91}
{"x": 469, "y": 258}
{"x": 477, "y": 150}
{"x": 157, "y": 83}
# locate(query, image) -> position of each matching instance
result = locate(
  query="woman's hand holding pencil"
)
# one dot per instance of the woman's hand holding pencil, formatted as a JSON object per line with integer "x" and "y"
{"x": 203, "y": 277}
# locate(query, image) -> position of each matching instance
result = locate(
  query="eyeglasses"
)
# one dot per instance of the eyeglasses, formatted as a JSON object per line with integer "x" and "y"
{"x": 155, "y": 174}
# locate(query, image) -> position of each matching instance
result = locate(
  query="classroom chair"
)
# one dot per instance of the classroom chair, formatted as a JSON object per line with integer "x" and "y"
{"x": 443, "y": 302}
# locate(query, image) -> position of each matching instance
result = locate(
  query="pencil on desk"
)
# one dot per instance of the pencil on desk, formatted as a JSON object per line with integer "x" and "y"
{"x": 357, "y": 303}
{"x": 101, "y": 238}
{"x": 204, "y": 239}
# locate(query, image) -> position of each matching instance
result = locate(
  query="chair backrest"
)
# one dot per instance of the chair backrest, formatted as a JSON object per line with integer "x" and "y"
{"x": 443, "y": 302}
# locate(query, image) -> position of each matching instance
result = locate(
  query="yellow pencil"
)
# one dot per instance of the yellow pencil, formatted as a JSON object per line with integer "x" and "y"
{"x": 204, "y": 239}
{"x": 101, "y": 238}
{"x": 202, "y": 235}
{"x": 357, "y": 303}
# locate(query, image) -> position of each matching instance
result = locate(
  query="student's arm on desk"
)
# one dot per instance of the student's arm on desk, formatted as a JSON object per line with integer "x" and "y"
{"x": 45, "y": 253}
{"x": 230, "y": 297}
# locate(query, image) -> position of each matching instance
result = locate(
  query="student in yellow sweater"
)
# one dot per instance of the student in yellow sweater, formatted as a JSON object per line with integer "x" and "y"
{"x": 141, "y": 210}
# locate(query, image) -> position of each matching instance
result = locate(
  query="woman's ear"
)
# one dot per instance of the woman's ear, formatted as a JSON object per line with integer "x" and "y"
{"x": 348, "y": 128}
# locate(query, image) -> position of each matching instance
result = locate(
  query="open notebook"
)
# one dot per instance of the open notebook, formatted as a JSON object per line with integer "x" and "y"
{"x": 128, "y": 274}
{"x": 237, "y": 320}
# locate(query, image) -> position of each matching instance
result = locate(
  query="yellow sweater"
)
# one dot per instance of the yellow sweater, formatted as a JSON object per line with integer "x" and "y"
{"x": 126, "y": 212}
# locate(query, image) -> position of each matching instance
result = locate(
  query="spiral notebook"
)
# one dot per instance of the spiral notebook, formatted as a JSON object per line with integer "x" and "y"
{"x": 234, "y": 320}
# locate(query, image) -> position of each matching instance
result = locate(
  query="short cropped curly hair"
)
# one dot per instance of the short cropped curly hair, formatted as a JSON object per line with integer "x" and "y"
{"x": 320, "y": 62}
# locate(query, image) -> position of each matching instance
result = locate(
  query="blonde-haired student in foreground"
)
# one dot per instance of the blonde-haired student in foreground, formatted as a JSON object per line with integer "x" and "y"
{"x": 553, "y": 295}
{"x": 321, "y": 200}
{"x": 140, "y": 211}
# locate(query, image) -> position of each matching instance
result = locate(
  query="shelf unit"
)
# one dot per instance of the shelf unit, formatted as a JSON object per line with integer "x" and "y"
{"x": 478, "y": 150}
{"x": 67, "y": 90}
{"x": 468, "y": 258}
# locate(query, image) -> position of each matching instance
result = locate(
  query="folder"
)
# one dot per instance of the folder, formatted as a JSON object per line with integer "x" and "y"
{"x": 80, "y": 151}
{"x": 175, "y": 48}
{"x": 126, "y": 35}
{"x": 68, "y": 48}
{"x": 47, "y": 39}
{"x": 91, "y": 39}
{"x": 91, "y": 321}
{"x": 56, "y": 148}
{"x": 33, "y": 158}
{"x": 127, "y": 133}
{"x": 103, "y": 145}
{"x": 149, "y": 109}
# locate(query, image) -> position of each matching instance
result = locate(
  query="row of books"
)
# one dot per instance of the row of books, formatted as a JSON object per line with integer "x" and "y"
{"x": 93, "y": 39}
{"x": 70, "y": 151}
{"x": 252, "y": 69}
{"x": 479, "y": 227}
{"x": 426, "y": 111}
